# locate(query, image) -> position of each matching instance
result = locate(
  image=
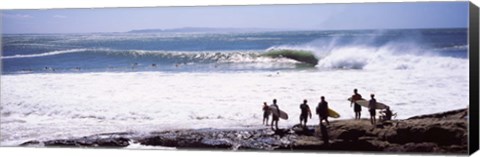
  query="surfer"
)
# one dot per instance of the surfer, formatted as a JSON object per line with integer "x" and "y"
{"x": 322, "y": 110}
{"x": 356, "y": 107}
{"x": 275, "y": 117}
{"x": 372, "y": 105}
{"x": 266, "y": 113}
{"x": 305, "y": 113}
{"x": 387, "y": 114}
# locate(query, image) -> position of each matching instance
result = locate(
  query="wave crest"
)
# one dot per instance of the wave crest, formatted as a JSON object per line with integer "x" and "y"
{"x": 51, "y": 53}
{"x": 172, "y": 56}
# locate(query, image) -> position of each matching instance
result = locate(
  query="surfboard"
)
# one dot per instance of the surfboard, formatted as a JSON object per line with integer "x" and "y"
{"x": 282, "y": 114}
{"x": 333, "y": 114}
{"x": 365, "y": 103}
{"x": 350, "y": 99}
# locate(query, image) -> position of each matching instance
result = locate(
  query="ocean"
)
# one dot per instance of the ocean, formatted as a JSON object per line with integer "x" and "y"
{"x": 73, "y": 85}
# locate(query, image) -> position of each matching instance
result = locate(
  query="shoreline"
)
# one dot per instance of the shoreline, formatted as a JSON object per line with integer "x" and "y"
{"x": 442, "y": 132}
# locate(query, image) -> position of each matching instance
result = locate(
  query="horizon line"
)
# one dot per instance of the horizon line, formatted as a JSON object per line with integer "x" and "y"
{"x": 266, "y": 30}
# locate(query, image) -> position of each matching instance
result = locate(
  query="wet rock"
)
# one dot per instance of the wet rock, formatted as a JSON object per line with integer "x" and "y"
{"x": 414, "y": 147}
{"x": 448, "y": 114}
{"x": 108, "y": 142}
{"x": 302, "y": 130}
{"x": 33, "y": 143}
{"x": 217, "y": 143}
{"x": 442, "y": 136}
{"x": 351, "y": 135}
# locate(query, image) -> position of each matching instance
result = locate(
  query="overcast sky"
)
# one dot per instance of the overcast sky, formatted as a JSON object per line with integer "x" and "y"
{"x": 312, "y": 17}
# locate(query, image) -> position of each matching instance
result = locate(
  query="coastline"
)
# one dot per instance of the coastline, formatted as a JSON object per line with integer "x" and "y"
{"x": 442, "y": 132}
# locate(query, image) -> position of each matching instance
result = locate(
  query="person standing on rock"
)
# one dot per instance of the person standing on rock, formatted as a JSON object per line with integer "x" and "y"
{"x": 322, "y": 110}
{"x": 305, "y": 113}
{"x": 372, "y": 105}
{"x": 356, "y": 107}
{"x": 266, "y": 113}
{"x": 275, "y": 117}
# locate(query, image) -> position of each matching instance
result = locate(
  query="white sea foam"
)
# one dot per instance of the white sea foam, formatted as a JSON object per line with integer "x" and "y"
{"x": 47, "y": 106}
{"x": 51, "y": 53}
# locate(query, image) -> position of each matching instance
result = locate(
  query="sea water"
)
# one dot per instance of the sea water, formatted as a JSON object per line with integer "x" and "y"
{"x": 72, "y": 85}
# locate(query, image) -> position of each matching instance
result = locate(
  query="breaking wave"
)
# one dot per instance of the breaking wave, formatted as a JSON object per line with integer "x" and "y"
{"x": 359, "y": 54}
{"x": 170, "y": 56}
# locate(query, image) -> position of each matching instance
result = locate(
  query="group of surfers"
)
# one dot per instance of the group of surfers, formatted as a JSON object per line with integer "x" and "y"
{"x": 322, "y": 110}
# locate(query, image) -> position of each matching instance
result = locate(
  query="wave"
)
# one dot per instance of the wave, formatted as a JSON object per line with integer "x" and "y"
{"x": 340, "y": 57}
{"x": 51, "y": 53}
{"x": 298, "y": 55}
{"x": 171, "y": 56}
{"x": 364, "y": 54}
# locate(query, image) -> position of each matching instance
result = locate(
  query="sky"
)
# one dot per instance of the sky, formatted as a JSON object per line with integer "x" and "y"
{"x": 288, "y": 17}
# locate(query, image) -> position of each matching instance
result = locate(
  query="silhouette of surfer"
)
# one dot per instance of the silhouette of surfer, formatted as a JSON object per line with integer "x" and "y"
{"x": 372, "y": 105}
{"x": 387, "y": 114}
{"x": 322, "y": 110}
{"x": 266, "y": 113}
{"x": 305, "y": 113}
{"x": 356, "y": 107}
{"x": 275, "y": 117}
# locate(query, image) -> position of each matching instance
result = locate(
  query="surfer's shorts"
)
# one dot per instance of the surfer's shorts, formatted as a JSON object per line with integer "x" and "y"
{"x": 372, "y": 112}
{"x": 303, "y": 117}
{"x": 266, "y": 114}
{"x": 323, "y": 116}
{"x": 357, "y": 108}
{"x": 275, "y": 118}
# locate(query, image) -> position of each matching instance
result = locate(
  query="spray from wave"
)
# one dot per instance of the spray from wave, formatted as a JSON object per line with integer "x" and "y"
{"x": 375, "y": 53}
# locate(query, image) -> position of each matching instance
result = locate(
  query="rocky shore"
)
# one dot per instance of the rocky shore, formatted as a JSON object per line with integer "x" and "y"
{"x": 437, "y": 133}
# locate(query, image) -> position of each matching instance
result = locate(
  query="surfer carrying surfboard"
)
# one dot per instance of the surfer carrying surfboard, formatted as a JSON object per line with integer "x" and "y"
{"x": 305, "y": 113}
{"x": 372, "y": 105}
{"x": 322, "y": 110}
{"x": 275, "y": 117}
{"x": 356, "y": 107}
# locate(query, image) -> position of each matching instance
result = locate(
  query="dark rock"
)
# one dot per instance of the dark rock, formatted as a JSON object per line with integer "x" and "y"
{"x": 281, "y": 132}
{"x": 448, "y": 114}
{"x": 414, "y": 147}
{"x": 216, "y": 143}
{"x": 32, "y": 143}
{"x": 108, "y": 142}
{"x": 441, "y": 133}
{"x": 302, "y": 130}
{"x": 116, "y": 142}
{"x": 355, "y": 145}
{"x": 351, "y": 135}
{"x": 324, "y": 133}
{"x": 167, "y": 141}
{"x": 62, "y": 143}
{"x": 442, "y": 136}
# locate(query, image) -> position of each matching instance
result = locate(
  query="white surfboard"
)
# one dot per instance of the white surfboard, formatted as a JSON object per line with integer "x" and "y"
{"x": 365, "y": 103}
{"x": 282, "y": 114}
